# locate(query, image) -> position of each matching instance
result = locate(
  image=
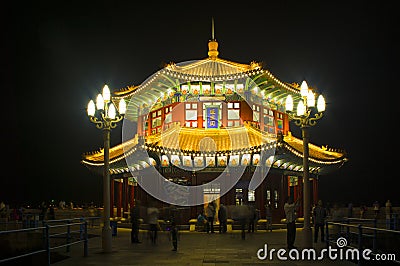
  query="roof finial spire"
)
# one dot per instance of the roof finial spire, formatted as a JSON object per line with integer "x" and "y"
{"x": 212, "y": 44}
{"x": 212, "y": 29}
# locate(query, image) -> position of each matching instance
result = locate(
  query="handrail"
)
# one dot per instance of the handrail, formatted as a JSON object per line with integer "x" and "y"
{"x": 21, "y": 230}
{"x": 344, "y": 224}
{"x": 83, "y": 237}
{"x": 360, "y": 234}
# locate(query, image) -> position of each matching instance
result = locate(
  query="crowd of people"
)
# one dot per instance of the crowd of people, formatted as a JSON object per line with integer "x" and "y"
{"x": 213, "y": 214}
{"x": 46, "y": 210}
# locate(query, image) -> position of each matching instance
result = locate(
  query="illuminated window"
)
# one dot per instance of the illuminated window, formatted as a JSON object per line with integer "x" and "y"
{"x": 238, "y": 196}
{"x": 233, "y": 114}
{"x": 156, "y": 121}
{"x": 279, "y": 122}
{"x": 168, "y": 109}
{"x": 168, "y": 117}
{"x": 269, "y": 121}
{"x": 145, "y": 125}
{"x": 191, "y": 114}
{"x": 251, "y": 196}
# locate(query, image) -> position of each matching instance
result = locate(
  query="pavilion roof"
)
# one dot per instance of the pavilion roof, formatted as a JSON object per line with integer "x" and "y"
{"x": 240, "y": 140}
{"x": 209, "y": 69}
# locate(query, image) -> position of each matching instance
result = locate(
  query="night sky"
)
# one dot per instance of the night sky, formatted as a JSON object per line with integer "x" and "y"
{"x": 59, "y": 54}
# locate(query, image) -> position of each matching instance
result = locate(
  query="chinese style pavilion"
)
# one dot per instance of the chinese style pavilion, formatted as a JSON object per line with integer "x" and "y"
{"x": 207, "y": 114}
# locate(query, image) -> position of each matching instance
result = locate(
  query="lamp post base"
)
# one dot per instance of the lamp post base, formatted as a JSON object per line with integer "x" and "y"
{"x": 107, "y": 239}
{"x": 307, "y": 237}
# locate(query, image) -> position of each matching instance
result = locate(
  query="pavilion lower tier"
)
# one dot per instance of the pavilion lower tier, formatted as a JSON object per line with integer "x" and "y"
{"x": 273, "y": 190}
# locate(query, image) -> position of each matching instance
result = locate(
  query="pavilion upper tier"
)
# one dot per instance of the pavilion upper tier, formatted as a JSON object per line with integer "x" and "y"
{"x": 204, "y": 79}
{"x": 172, "y": 110}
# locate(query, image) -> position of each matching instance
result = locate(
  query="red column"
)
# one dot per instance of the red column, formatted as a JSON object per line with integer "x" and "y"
{"x": 126, "y": 197}
{"x": 112, "y": 198}
{"x": 300, "y": 191}
{"x": 260, "y": 197}
{"x": 315, "y": 189}
{"x": 132, "y": 196}
{"x": 224, "y": 113}
{"x": 119, "y": 200}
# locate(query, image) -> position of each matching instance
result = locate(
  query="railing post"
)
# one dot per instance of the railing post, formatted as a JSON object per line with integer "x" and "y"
{"x": 359, "y": 242}
{"x": 85, "y": 244}
{"x": 374, "y": 240}
{"x": 81, "y": 229}
{"x": 44, "y": 233}
{"x": 68, "y": 234}
{"x": 47, "y": 243}
{"x": 327, "y": 235}
{"x": 375, "y": 235}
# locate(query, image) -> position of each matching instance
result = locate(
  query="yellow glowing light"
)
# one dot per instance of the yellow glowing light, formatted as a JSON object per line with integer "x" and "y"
{"x": 106, "y": 93}
{"x": 301, "y": 109}
{"x": 310, "y": 99}
{"x": 304, "y": 89}
{"x": 289, "y": 103}
{"x": 100, "y": 102}
{"x": 91, "y": 108}
{"x": 111, "y": 111}
{"x": 321, "y": 103}
{"x": 122, "y": 107}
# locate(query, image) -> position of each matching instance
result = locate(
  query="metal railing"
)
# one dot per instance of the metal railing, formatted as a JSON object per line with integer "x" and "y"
{"x": 65, "y": 232}
{"x": 360, "y": 237}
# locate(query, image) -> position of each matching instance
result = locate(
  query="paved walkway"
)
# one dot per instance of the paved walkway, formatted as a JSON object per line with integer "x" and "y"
{"x": 194, "y": 248}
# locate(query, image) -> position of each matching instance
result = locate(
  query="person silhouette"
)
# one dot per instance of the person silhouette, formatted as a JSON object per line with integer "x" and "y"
{"x": 319, "y": 215}
{"x": 290, "y": 209}
{"x": 152, "y": 216}
{"x": 210, "y": 213}
{"x": 135, "y": 220}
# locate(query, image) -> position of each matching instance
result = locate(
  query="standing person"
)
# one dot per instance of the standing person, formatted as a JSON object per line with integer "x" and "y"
{"x": 363, "y": 209}
{"x": 43, "y": 211}
{"x": 388, "y": 213}
{"x": 241, "y": 214}
{"x": 174, "y": 235}
{"x": 210, "y": 213}
{"x": 52, "y": 215}
{"x": 268, "y": 216}
{"x": 319, "y": 215}
{"x": 350, "y": 210}
{"x": 328, "y": 208}
{"x": 252, "y": 218}
{"x": 290, "y": 208}
{"x": 312, "y": 220}
{"x": 376, "y": 209}
{"x": 2, "y": 207}
{"x": 152, "y": 216}
{"x": 222, "y": 217}
{"x": 135, "y": 220}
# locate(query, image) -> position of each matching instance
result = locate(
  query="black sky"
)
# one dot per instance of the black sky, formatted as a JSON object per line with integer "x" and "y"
{"x": 58, "y": 55}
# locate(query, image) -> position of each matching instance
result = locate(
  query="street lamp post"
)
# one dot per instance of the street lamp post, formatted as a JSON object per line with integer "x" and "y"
{"x": 306, "y": 117}
{"x": 108, "y": 120}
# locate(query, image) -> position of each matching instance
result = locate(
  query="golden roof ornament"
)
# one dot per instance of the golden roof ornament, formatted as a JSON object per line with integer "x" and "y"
{"x": 212, "y": 44}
